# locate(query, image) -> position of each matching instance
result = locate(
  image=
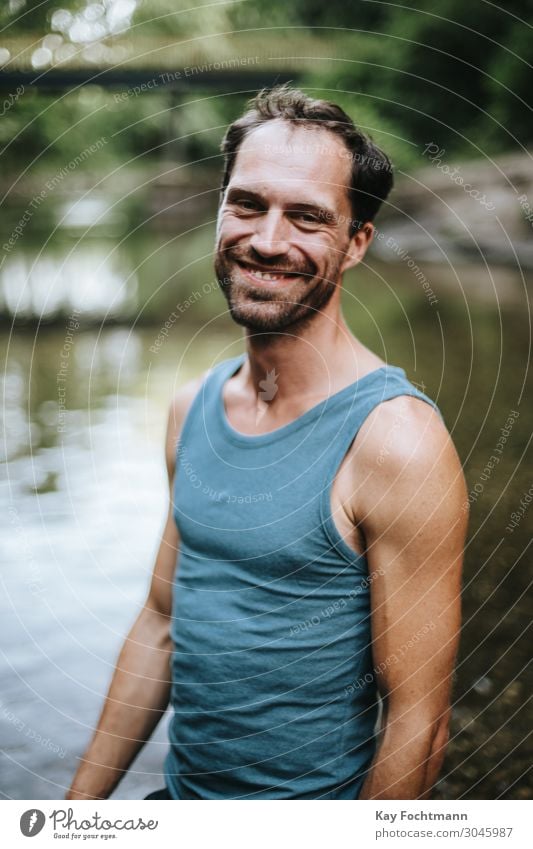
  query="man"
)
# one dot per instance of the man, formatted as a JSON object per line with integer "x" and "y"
{"x": 313, "y": 548}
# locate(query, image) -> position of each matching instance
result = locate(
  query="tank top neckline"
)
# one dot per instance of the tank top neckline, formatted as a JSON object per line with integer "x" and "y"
{"x": 232, "y": 366}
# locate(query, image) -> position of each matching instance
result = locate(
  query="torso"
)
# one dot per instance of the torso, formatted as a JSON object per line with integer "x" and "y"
{"x": 241, "y": 412}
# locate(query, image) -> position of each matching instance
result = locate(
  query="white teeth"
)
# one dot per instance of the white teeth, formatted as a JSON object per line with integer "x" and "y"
{"x": 264, "y": 275}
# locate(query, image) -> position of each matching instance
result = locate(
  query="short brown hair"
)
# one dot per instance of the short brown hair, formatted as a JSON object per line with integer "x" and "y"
{"x": 371, "y": 176}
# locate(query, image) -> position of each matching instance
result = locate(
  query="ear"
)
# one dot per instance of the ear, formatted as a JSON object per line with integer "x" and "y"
{"x": 358, "y": 246}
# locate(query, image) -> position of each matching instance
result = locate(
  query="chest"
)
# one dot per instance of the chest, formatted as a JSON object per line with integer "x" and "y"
{"x": 270, "y": 504}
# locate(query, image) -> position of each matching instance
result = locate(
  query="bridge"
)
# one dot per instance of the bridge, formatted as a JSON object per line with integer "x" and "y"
{"x": 239, "y": 62}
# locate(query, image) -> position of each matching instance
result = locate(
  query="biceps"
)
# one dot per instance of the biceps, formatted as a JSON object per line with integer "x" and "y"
{"x": 160, "y": 593}
{"x": 415, "y": 622}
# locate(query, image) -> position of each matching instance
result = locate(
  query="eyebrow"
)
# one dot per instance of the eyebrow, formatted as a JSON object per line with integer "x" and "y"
{"x": 328, "y": 215}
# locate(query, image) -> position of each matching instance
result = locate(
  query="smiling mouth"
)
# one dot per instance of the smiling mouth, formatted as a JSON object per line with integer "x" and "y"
{"x": 270, "y": 276}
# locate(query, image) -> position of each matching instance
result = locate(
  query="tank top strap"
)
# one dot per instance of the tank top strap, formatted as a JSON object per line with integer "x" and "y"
{"x": 374, "y": 388}
{"x": 204, "y": 404}
{"x": 381, "y": 385}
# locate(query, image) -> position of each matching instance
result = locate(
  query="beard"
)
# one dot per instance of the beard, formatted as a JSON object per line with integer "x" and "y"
{"x": 267, "y": 310}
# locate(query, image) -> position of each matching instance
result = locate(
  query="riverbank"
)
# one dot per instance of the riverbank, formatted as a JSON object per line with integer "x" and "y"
{"x": 471, "y": 212}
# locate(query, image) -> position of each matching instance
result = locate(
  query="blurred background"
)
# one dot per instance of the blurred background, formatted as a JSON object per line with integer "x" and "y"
{"x": 111, "y": 116}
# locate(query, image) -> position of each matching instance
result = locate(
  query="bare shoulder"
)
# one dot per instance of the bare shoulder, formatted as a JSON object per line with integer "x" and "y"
{"x": 402, "y": 429}
{"x": 182, "y": 400}
{"x": 406, "y": 456}
{"x": 178, "y": 409}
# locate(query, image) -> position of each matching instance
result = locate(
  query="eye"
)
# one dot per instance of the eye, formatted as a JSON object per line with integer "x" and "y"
{"x": 307, "y": 219}
{"x": 246, "y": 204}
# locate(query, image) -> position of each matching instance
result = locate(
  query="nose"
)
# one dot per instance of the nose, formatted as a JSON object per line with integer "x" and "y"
{"x": 270, "y": 236}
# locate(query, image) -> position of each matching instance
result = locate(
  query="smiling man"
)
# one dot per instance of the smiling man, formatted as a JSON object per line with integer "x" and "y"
{"x": 304, "y": 611}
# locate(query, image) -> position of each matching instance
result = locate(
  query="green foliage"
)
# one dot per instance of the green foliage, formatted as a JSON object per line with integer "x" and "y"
{"x": 456, "y": 74}
{"x": 180, "y": 18}
{"x": 198, "y": 123}
{"x": 50, "y": 131}
{"x": 356, "y": 80}
{"x": 451, "y": 73}
{"x": 444, "y": 63}
{"x": 509, "y": 89}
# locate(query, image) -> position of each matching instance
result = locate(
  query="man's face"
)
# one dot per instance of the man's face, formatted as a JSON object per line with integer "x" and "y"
{"x": 283, "y": 226}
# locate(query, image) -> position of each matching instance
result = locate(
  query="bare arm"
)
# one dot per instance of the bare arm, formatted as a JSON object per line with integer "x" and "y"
{"x": 140, "y": 687}
{"x": 410, "y": 512}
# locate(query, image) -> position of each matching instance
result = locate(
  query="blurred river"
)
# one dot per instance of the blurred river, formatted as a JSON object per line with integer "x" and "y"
{"x": 124, "y": 322}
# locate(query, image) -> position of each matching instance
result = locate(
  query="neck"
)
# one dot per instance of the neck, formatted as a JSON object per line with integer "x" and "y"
{"x": 315, "y": 360}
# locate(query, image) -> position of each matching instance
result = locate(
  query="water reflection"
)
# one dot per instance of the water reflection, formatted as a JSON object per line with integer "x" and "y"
{"x": 93, "y": 278}
{"x": 83, "y": 505}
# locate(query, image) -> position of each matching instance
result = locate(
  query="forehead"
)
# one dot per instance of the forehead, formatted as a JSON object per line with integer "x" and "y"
{"x": 280, "y": 155}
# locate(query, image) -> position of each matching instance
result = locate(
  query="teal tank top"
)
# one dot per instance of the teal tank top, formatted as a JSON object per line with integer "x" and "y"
{"x": 273, "y": 694}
